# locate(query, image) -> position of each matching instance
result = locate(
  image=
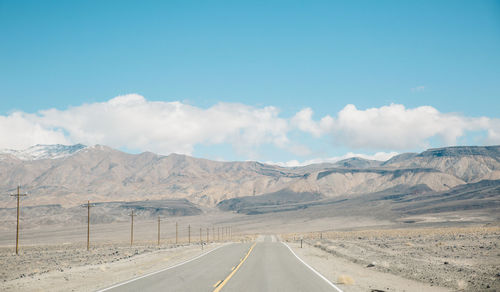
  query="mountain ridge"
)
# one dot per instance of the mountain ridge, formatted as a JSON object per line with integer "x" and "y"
{"x": 41, "y": 151}
{"x": 101, "y": 173}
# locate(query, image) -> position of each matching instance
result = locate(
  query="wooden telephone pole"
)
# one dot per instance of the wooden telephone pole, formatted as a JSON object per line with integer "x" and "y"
{"x": 176, "y": 233}
{"x": 207, "y": 236}
{"x": 201, "y": 242}
{"x": 158, "y": 230}
{"x": 189, "y": 234}
{"x": 132, "y": 228}
{"x": 18, "y": 196}
{"x": 88, "y": 224}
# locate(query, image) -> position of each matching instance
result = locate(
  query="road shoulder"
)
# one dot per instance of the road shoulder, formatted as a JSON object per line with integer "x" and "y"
{"x": 349, "y": 276}
{"x": 98, "y": 276}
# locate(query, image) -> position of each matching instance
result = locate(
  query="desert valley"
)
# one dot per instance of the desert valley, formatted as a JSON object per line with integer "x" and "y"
{"x": 439, "y": 210}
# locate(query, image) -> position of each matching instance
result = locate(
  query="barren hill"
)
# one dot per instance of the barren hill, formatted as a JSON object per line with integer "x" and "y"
{"x": 100, "y": 173}
{"x": 468, "y": 163}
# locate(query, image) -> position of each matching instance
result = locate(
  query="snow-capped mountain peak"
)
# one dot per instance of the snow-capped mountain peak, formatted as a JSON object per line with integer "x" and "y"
{"x": 38, "y": 151}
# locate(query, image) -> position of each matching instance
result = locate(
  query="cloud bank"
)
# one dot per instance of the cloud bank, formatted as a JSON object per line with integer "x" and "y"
{"x": 395, "y": 127}
{"x": 163, "y": 127}
{"x": 132, "y": 122}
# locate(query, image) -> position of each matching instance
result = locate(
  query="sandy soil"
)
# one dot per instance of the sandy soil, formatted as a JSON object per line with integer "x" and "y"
{"x": 463, "y": 259}
{"x": 72, "y": 268}
{"x": 404, "y": 259}
{"x": 350, "y": 277}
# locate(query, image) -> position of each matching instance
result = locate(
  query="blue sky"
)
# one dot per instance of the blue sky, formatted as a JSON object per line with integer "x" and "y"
{"x": 289, "y": 55}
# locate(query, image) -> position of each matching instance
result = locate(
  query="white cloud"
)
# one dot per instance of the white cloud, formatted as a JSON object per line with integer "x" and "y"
{"x": 418, "y": 88}
{"x": 162, "y": 127}
{"x": 19, "y": 131}
{"x": 303, "y": 121}
{"x": 494, "y": 132}
{"x": 300, "y": 150}
{"x": 132, "y": 122}
{"x": 395, "y": 127}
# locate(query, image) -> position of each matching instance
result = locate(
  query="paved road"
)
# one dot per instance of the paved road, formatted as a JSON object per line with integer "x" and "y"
{"x": 272, "y": 267}
{"x": 267, "y": 265}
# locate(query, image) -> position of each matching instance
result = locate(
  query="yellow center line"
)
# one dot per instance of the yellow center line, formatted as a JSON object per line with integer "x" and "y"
{"x": 234, "y": 271}
{"x": 217, "y": 284}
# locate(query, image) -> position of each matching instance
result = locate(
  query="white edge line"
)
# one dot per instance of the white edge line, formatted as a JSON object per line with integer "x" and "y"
{"x": 312, "y": 269}
{"x": 162, "y": 270}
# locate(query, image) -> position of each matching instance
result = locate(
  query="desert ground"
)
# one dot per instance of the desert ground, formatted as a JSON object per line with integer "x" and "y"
{"x": 71, "y": 268}
{"x": 457, "y": 258}
{"x": 437, "y": 253}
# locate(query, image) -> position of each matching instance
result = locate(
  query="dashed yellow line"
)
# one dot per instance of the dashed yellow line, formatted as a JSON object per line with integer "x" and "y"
{"x": 219, "y": 287}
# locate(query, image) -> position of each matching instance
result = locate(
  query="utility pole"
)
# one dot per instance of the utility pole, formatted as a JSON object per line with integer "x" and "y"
{"x": 218, "y": 233}
{"x": 18, "y": 195}
{"x": 201, "y": 242}
{"x": 189, "y": 234}
{"x": 158, "y": 230}
{"x": 176, "y": 233}
{"x": 213, "y": 233}
{"x": 207, "y": 236}
{"x": 132, "y": 228}
{"x": 88, "y": 224}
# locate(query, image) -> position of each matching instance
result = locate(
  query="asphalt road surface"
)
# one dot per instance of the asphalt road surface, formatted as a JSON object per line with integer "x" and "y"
{"x": 266, "y": 265}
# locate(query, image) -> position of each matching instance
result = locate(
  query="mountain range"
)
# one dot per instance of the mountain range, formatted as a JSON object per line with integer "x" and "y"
{"x": 71, "y": 175}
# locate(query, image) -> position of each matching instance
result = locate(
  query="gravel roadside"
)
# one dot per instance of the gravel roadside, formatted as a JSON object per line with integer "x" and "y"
{"x": 71, "y": 268}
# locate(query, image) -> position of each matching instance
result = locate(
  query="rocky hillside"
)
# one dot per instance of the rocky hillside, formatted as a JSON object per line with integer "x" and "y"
{"x": 100, "y": 173}
{"x": 468, "y": 163}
